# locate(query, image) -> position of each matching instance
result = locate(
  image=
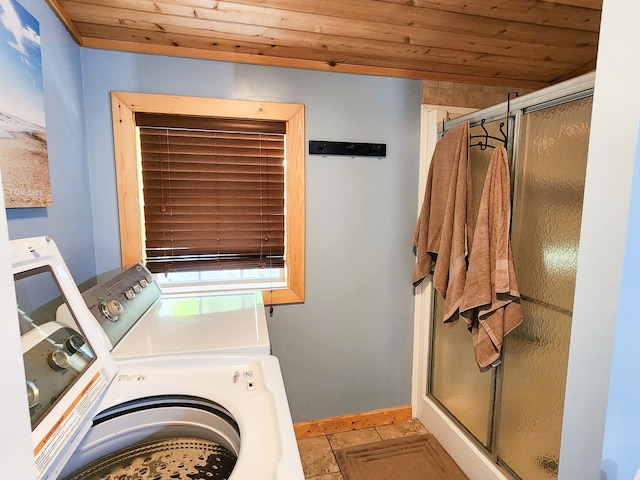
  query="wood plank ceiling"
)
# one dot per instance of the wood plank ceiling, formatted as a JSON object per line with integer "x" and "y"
{"x": 527, "y": 43}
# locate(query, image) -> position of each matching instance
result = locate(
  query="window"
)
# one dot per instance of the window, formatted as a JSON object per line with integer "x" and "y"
{"x": 213, "y": 192}
{"x": 150, "y": 134}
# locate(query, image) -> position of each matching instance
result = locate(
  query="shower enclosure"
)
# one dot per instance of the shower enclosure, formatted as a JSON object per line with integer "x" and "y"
{"x": 510, "y": 418}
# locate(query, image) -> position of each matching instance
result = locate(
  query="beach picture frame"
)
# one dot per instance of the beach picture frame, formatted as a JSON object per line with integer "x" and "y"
{"x": 24, "y": 161}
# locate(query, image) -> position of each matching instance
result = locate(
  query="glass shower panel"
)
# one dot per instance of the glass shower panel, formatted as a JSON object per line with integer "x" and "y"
{"x": 456, "y": 381}
{"x": 549, "y": 184}
{"x": 533, "y": 378}
{"x": 547, "y": 211}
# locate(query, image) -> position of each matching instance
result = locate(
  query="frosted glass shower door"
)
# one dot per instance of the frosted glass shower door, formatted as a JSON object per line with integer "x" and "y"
{"x": 515, "y": 411}
{"x": 545, "y": 231}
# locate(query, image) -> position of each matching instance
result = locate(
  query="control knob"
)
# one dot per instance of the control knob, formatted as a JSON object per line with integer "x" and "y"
{"x": 33, "y": 394}
{"x": 74, "y": 343}
{"x": 144, "y": 283}
{"x": 58, "y": 360}
{"x": 111, "y": 310}
{"x": 129, "y": 294}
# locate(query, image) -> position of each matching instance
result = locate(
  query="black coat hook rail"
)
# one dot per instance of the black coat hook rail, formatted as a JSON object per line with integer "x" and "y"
{"x": 317, "y": 147}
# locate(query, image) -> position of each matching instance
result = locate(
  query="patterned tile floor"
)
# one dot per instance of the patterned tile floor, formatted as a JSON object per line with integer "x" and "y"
{"x": 317, "y": 453}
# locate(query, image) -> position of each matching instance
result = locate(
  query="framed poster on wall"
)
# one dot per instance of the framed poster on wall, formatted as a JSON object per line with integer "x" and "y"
{"x": 23, "y": 140}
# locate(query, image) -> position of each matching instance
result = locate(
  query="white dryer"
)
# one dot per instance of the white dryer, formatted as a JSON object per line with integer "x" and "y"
{"x": 152, "y": 411}
{"x": 140, "y": 321}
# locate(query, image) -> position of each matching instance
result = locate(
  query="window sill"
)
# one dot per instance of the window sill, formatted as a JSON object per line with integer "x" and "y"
{"x": 275, "y": 294}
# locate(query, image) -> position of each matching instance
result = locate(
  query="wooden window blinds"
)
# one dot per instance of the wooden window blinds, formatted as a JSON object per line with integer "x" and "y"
{"x": 214, "y": 192}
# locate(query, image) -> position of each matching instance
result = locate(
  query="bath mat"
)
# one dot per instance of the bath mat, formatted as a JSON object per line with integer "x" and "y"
{"x": 410, "y": 458}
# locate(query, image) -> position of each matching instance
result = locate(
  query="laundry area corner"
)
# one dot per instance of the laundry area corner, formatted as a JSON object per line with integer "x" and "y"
{"x": 122, "y": 372}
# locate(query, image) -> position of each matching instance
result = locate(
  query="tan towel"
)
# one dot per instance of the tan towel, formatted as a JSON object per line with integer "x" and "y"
{"x": 491, "y": 304}
{"x": 441, "y": 234}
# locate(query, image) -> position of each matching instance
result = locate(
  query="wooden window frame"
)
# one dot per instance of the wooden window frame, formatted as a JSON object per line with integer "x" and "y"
{"x": 124, "y": 107}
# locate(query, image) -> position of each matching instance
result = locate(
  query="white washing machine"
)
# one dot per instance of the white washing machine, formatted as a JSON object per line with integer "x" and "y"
{"x": 155, "y": 408}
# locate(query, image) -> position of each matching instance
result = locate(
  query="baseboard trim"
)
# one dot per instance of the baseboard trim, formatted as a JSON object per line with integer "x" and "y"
{"x": 355, "y": 421}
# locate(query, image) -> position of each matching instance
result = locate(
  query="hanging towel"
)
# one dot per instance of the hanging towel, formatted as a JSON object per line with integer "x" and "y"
{"x": 491, "y": 304}
{"x": 441, "y": 235}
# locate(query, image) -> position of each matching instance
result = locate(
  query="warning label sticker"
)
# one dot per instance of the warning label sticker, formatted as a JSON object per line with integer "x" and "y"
{"x": 51, "y": 444}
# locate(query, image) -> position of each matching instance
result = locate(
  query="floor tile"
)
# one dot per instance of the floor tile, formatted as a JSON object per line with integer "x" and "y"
{"x": 317, "y": 453}
{"x": 402, "y": 429}
{"x": 353, "y": 437}
{"x": 328, "y": 476}
{"x": 317, "y": 457}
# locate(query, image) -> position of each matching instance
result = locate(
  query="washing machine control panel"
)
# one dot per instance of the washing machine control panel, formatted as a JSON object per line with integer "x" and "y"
{"x": 119, "y": 302}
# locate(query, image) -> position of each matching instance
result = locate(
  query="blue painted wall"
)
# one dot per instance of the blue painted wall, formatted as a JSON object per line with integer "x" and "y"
{"x": 348, "y": 348}
{"x": 69, "y": 220}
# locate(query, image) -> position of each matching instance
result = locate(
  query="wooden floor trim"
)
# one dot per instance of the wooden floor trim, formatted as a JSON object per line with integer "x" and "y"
{"x": 355, "y": 421}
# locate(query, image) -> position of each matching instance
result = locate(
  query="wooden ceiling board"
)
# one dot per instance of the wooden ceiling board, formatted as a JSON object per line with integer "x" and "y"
{"x": 499, "y": 42}
{"x": 538, "y": 54}
{"x": 312, "y": 39}
{"x": 529, "y": 11}
{"x": 415, "y": 29}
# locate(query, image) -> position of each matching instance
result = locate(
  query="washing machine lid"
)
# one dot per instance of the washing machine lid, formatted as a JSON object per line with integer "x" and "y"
{"x": 67, "y": 363}
{"x": 227, "y": 322}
